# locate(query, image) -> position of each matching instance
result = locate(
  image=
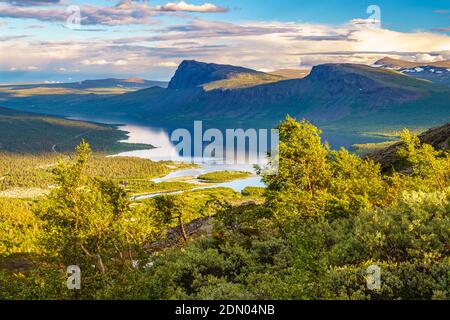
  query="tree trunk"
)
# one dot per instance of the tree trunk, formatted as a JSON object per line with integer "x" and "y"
{"x": 182, "y": 229}
{"x": 100, "y": 264}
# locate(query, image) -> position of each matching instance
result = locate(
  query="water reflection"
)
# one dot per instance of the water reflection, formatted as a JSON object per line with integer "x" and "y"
{"x": 165, "y": 150}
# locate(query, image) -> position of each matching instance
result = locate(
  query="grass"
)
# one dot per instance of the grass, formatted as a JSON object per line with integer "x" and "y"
{"x": 223, "y": 176}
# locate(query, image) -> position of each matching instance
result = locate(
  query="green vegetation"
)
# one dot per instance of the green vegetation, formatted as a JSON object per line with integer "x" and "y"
{"x": 366, "y": 148}
{"x": 344, "y": 98}
{"x": 326, "y": 218}
{"x": 148, "y": 187}
{"x": 20, "y": 172}
{"x": 32, "y": 133}
{"x": 243, "y": 80}
{"x": 223, "y": 176}
{"x": 253, "y": 192}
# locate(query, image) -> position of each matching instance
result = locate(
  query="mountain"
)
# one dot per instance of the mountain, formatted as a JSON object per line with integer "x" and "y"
{"x": 401, "y": 64}
{"x": 131, "y": 83}
{"x": 437, "y": 72}
{"x": 330, "y": 93}
{"x": 192, "y": 74}
{"x": 344, "y": 97}
{"x": 34, "y": 133}
{"x": 438, "y": 137}
{"x": 433, "y": 74}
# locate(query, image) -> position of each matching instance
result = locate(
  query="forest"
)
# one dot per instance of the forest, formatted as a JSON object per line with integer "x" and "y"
{"x": 323, "y": 221}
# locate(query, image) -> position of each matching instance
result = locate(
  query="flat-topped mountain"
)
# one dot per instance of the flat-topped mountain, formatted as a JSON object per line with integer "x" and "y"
{"x": 192, "y": 74}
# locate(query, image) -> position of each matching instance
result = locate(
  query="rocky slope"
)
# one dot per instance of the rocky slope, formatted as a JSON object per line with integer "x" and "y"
{"x": 438, "y": 137}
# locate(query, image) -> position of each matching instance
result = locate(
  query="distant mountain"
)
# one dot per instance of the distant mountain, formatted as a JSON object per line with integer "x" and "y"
{"x": 136, "y": 83}
{"x": 437, "y": 72}
{"x": 331, "y": 92}
{"x": 346, "y": 97}
{"x": 130, "y": 83}
{"x": 401, "y": 64}
{"x": 438, "y": 137}
{"x": 433, "y": 74}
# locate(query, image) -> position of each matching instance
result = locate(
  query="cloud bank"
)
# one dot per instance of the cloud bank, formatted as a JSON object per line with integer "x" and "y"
{"x": 155, "y": 50}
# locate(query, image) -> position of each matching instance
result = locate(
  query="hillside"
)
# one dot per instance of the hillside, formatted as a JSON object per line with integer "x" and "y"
{"x": 344, "y": 97}
{"x": 130, "y": 83}
{"x": 87, "y": 87}
{"x": 330, "y": 93}
{"x": 33, "y": 133}
{"x": 291, "y": 73}
{"x": 192, "y": 74}
{"x": 438, "y": 137}
{"x": 436, "y": 72}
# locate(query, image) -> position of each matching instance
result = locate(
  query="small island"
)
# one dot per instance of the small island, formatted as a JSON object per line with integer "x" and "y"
{"x": 223, "y": 176}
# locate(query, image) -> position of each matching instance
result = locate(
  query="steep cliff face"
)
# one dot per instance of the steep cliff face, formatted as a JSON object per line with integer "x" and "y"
{"x": 192, "y": 74}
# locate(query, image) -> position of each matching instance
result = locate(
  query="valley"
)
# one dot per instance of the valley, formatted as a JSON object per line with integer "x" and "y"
{"x": 344, "y": 98}
{"x": 91, "y": 174}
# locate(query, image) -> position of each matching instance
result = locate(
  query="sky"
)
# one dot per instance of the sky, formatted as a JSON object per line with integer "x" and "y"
{"x": 73, "y": 40}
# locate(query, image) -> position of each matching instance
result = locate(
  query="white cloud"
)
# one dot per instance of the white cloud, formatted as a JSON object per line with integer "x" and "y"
{"x": 126, "y": 12}
{"x": 120, "y": 63}
{"x": 183, "y": 6}
{"x": 95, "y": 62}
{"x": 258, "y": 45}
{"x": 167, "y": 64}
{"x": 425, "y": 57}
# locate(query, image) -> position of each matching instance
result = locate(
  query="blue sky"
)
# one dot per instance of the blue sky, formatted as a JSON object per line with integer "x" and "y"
{"x": 150, "y": 38}
{"x": 402, "y": 15}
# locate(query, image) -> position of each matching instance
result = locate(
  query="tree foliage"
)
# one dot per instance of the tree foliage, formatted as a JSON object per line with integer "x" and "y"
{"x": 328, "y": 216}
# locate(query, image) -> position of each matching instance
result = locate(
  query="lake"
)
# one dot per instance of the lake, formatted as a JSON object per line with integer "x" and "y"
{"x": 159, "y": 137}
{"x": 165, "y": 150}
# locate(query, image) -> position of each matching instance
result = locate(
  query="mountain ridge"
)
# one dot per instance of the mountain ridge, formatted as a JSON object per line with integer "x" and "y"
{"x": 192, "y": 74}
{"x": 339, "y": 95}
{"x": 399, "y": 63}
